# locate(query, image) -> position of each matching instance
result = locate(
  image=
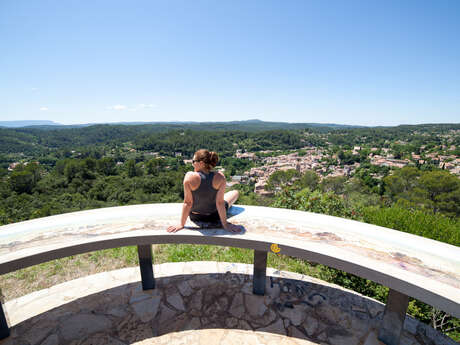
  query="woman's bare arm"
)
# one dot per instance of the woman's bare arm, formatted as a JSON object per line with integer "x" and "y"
{"x": 186, "y": 207}
{"x": 220, "y": 205}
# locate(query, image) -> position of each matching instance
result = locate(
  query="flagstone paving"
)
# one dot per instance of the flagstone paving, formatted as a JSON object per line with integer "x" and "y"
{"x": 201, "y": 303}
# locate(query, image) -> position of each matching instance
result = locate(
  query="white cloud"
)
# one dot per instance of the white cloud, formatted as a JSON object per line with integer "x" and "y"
{"x": 117, "y": 107}
{"x": 43, "y": 108}
{"x": 146, "y": 106}
{"x": 135, "y": 108}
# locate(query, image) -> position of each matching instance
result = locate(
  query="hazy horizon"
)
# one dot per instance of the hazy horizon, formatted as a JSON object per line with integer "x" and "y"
{"x": 49, "y": 122}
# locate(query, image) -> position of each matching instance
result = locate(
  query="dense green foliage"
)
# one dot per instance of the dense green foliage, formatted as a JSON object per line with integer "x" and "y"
{"x": 223, "y": 142}
{"x": 424, "y": 223}
{"x": 281, "y": 178}
{"x": 255, "y": 136}
{"x": 438, "y": 191}
{"x": 76, "y": 184}
{"x": 421, "y": 223}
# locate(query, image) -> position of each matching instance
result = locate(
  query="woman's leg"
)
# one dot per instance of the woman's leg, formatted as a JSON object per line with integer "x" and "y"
{"x": 231, "y": 197}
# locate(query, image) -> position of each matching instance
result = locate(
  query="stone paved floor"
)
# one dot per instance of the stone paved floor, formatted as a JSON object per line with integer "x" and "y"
{"x": 210, "y": 337}
{"x": 201, "y": 303}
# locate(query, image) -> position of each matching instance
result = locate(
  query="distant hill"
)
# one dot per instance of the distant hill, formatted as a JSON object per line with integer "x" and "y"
{"x": 41, "y": 139}
{"x": 34, "y": 137}
{"x": 248, "y": 125}
{"x": 253, "y": 124}
{"x": 27, "y": 123}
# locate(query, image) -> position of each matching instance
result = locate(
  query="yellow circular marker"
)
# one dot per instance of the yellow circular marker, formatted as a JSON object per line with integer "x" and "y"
{"x": 275, "y": 249}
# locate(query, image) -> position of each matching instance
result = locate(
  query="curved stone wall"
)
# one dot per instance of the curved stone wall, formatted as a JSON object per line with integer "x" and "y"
{"x": 215, "y": 298}
{"x": 411, "y": 265}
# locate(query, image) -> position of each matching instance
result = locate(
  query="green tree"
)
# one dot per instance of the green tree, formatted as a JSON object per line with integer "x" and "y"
{"x": 334, "y": 184}
{"x": 443, "y": 190}
{"x": 309, "y": 179}
{"x": 401, "y": 182}
{"x": 153, "y": 166}
{"x": 72, "y": 169}
{"x": 106, "y": 166}
{"x": 22, "y": 181}
{"x": 3, "y": 172}
{"x": 316, "y": 201}
{"x": 281, "y": 178}
{"x": 24, "y": 178}
{"x": 131, "y": 168}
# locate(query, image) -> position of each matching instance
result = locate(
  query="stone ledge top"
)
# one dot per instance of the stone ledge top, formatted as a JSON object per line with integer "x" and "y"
{"x": 419, "y": 267}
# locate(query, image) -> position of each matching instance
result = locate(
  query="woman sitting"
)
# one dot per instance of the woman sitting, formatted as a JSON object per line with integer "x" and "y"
{"x": 205, "y": 200}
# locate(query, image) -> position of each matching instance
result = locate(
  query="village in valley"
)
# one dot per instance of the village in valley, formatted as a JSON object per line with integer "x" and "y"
{"x": 327, "y": 164}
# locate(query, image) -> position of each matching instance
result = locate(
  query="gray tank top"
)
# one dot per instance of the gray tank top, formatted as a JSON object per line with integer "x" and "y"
{"x": 204, "y": 197}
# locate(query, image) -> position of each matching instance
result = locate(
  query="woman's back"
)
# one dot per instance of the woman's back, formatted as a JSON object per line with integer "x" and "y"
{"x": 204, "y": 197}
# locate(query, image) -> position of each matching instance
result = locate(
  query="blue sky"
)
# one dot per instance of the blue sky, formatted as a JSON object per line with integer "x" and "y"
{"x": 350, "y": 62}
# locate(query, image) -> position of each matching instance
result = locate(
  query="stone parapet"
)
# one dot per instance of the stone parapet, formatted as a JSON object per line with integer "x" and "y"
{"x": 412, "y": 265}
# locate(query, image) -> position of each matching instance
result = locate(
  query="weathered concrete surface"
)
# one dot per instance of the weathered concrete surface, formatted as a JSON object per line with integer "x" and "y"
{"x": 214, "y": 298}
{"x": 416, "y": 266}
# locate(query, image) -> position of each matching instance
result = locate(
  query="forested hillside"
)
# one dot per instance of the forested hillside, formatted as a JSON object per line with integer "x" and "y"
{"x": 51, "y": 171}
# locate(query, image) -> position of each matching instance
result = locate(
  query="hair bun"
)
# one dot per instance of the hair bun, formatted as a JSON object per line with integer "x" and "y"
{"x": 213, "y": 159}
